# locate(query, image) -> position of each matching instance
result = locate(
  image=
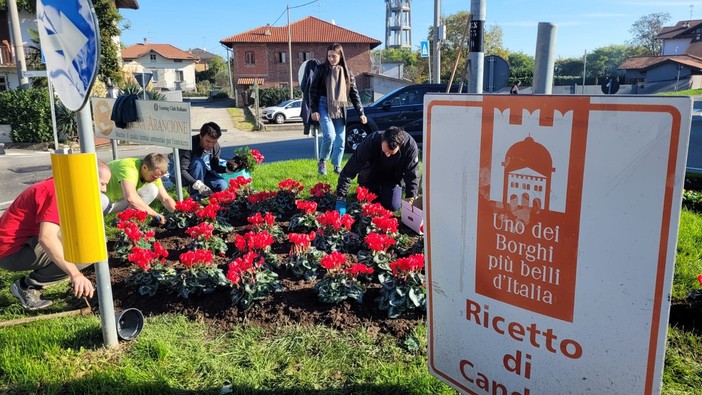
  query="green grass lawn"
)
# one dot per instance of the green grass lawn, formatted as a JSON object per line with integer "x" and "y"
{"x": 174, "y": 354}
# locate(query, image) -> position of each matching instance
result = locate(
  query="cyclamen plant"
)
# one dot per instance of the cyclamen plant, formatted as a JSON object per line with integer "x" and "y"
{"x": 334, "y": 232}
{"x": 200, "y": 274}
{"x": 266, "y": 223}
{"x": 363, "y": 197}
{"x": 262, "y": 201}
{"x": 135, "y": 232}
{"x": 366, "y": 214}
{"x": 205, "y": 239}
{"x": 250, "y": 280}
{"x": 236, "y": 210}
{"x": 341, "y": 280}
{"x": 303, "y": 259}
{"x": 260, "y": 243}
{"x": 288, "y": 192}
{"x": 321, "y": 193}
{"x": 403, "y": 286}
{"x": 210, "y": 214}
{"x": 184, "y": 214}
{"x": 306, "y": 220}
{"x": 378, "y": 253}
{"x": 246, "y": 159}
{"x": 150, "y": 271}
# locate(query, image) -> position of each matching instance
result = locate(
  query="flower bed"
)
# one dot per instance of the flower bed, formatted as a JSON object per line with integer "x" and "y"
{"x": 271, "y": 258}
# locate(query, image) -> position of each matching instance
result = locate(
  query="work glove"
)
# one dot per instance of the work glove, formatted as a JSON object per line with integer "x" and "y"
{"x": 340, "y": 206}
{"x": 201, "y": 188}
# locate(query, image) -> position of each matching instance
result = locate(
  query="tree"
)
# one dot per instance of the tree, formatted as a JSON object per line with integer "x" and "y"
{"x": 645, "y": 30}
{"x": 603, "y": 62}
{"x": 493, "y": 42}
{"x": 521, "y": 68}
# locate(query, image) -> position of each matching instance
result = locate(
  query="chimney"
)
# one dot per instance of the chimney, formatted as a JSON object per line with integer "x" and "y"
{"x": 145, "y": 41}
{"x": 267, "y": 32}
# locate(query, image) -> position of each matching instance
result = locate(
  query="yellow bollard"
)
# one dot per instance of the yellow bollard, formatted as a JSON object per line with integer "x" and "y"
{"x": 78, "y": 196}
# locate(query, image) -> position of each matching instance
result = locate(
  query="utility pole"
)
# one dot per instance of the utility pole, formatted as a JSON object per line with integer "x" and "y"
{"x": 290, "y": 53}
{"x": 437, "y": 41}
{"x": 20, "y": 59}
{"x": 476, "y": 56}
{"x": 584, "y": 69}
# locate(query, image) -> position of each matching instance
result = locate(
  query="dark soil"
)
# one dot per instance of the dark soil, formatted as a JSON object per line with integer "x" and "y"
{"x": 296, "y": 303}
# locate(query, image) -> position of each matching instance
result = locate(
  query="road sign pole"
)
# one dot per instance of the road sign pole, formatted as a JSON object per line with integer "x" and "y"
{"x": 102, "y": 268}
{"x": 71, "y": 43}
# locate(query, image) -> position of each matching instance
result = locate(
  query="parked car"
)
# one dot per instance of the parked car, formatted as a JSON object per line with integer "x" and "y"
{"x": 288, "y": 110}
{"x": 403, "y": 107}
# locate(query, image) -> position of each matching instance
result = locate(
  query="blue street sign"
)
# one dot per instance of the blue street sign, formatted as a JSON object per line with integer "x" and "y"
{"x": 424, "y": 49}
{"x": 70, "y": 41}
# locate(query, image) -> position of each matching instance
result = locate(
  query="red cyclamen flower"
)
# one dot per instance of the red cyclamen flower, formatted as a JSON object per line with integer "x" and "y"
{"x": 306, "y": 206}
{"x": 291, "y": 186}
{"x": 196, "y": 258}
{"x": 375, "y": 210}
{"x": 258, "y": 157}
{"x": 379, "y": 241}
{"x": 333, "y": 261}
{"x": 258, "y": 219}
{"x": 386, "y": 224}
{"x": 320, "y": 189}
{"x": 411, "y": 264}
{"x": 203, "y": 230}
{"x": 188, "y": 205}
{"x": 357, "y": 269}
{"x": 364, "y": 195}
{"x": 132, "y": 214}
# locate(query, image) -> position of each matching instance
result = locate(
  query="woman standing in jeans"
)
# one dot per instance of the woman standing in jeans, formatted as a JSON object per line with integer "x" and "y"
{"x": 332, "y": 87}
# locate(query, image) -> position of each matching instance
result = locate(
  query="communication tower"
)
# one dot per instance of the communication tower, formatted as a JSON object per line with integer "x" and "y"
{"x": 398, "y": 24}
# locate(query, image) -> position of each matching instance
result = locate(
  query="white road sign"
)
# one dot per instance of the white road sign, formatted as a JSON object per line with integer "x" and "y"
{"x": 162, "y": 123}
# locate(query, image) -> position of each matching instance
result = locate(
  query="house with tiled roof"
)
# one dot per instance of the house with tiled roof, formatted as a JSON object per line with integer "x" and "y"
{"x": 261, "y": 54}
{"x": 680, "y": 59}
{"x": 203, "y": 58}
{"x": 171, "y": 68}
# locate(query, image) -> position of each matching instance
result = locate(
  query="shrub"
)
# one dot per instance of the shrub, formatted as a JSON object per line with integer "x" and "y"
{"x": 28, "y": 113}
{"x": 272, "y": 96}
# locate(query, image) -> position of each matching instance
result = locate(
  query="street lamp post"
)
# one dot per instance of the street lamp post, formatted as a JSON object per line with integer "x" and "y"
{"x": 290, "y": 53}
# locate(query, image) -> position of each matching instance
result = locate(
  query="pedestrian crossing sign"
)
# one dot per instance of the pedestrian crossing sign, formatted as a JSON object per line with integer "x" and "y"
{"x": 424, "y": 49}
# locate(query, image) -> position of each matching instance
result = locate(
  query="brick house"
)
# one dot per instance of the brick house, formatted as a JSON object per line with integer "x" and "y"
{"x": 262, "y": 53}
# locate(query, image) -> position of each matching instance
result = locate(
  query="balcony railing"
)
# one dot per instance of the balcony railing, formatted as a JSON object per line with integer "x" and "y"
{"x": 7, "y": 56}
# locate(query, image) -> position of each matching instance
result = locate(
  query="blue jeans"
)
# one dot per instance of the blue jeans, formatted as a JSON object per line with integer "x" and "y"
{"x": 389, "y": 196}
{"x": 210, "y": 178}
{"x": 333, "y": 135}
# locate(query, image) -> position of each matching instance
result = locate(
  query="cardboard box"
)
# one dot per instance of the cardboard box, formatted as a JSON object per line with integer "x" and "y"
{"x": 412, "y": 215}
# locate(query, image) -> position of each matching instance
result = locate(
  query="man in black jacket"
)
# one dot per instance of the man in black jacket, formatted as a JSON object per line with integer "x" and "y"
{"x": 199, "y": 167}
{"x": 384, "y": 161}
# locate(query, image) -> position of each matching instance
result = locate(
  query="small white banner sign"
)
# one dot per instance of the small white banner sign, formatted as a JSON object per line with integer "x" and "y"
{"x": 551, "y": 225}
{"x": 161, "y": 123}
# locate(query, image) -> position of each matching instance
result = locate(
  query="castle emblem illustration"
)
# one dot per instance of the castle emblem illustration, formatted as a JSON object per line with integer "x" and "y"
{"x": 527, "y": 175}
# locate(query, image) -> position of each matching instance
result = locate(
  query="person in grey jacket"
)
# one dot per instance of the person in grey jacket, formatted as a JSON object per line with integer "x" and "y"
{"x": 199, "y": 167}
{"x": 384, "y": 161}
{"x": 332, "y": 87}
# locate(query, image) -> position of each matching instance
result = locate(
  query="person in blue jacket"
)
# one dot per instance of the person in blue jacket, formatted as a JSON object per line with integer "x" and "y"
{"x": 384, "y": 162}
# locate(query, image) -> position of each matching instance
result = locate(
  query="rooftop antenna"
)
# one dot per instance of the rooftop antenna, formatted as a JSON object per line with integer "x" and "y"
{"x": 691, "y": 7}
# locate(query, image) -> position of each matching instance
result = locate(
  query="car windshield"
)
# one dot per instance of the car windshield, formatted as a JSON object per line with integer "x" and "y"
{"x": 385, "y": 97}
{"x": 285, "y": 103}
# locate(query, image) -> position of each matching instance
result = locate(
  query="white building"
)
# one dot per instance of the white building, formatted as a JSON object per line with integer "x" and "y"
{"x": 172, "y": 68}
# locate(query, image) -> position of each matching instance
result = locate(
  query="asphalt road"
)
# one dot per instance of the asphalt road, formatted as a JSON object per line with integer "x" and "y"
{"x": 20, "y": 168}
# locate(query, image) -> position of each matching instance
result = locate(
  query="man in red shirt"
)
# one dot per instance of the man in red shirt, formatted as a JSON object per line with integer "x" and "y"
{"x": 30, "y": 240}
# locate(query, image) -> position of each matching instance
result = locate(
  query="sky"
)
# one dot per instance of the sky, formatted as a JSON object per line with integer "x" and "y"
{"x": 581, "y": 25}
